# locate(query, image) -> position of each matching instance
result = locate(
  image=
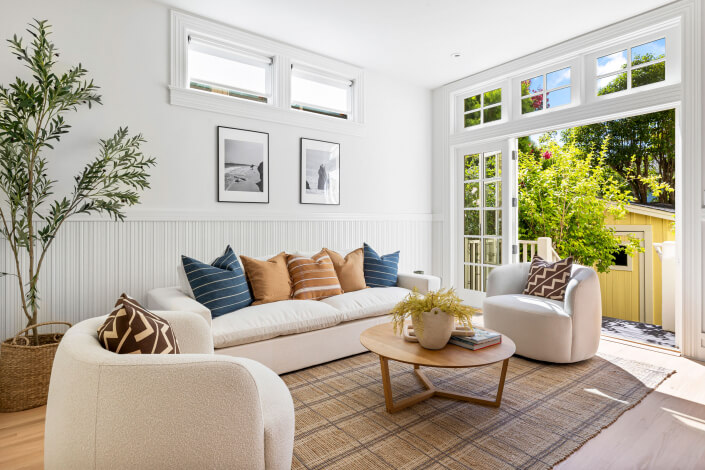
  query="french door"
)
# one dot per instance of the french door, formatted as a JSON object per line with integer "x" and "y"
{"x": 486, "y": 215}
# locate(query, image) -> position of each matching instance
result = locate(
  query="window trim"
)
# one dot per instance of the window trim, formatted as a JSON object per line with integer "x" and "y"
{"x": 458, "y": 108}
{"x": 277, "y": 109}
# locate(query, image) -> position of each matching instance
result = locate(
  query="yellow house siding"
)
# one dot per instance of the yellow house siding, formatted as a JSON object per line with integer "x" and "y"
{"x": 620, "y": 289}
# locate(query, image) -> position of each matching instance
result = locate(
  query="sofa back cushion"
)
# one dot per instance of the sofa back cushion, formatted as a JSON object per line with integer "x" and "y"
{"x": 350, "y": 270}
{"x": 221, "y": 286}
{"x": 132, "y": 329}
{"x": 269, "y": 279}
{"x": 380, "y": 271}
{"x": 549, "y": 280}
{"x": 313, "y": 278}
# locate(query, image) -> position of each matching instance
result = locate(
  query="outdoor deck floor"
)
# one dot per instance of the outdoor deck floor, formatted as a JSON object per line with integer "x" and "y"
{"x": 635, "y": 331}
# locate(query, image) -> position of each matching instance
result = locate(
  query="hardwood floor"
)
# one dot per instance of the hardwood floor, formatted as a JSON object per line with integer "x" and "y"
{"x": 665, "y": 431}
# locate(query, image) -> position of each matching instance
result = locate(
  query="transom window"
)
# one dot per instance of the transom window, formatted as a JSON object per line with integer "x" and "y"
{"x": 319, "y": 93}
{"x": 546, "y": 91}
{"x": 224, "y": 70}
{"x": 482, "y": 214}
{"x": 631, "y": 68}
{"x": 482, "y": 108}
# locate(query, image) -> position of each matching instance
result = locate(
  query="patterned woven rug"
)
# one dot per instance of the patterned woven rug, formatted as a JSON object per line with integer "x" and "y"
{"x": 548, "y": 411}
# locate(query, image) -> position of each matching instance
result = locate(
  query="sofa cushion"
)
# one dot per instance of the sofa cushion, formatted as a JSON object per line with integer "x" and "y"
{"x": 220, "y": 286}
{"x": 365, "y": 303}
{"x": 380, "y": 271}
{"x": 269, "y": 279}
{"x": 260, "y": 322}
{"x": 349, "y": 269}
{"x": 132, "y": 329}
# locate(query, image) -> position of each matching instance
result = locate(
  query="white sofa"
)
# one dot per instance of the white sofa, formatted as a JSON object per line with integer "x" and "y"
{"x": 543, "y": 329}
{"x": 294, "y": 334}
{"x": 117, "y": 411}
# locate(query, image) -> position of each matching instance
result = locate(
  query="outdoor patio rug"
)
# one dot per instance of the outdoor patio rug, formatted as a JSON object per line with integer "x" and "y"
{"x": 636, "y": 331}
{"x": 548, "y": 411}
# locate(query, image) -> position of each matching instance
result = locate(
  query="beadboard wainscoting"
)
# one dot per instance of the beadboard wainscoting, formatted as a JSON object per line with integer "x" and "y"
{"x": 93, "y": 261}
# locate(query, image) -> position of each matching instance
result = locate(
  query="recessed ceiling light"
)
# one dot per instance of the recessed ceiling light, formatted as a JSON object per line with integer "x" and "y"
{"x": 455, "y": 55}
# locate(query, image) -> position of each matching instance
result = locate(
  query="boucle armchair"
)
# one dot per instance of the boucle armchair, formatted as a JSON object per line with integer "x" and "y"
{"x": 543, "y": 329}
{"x": 176, "y": 411}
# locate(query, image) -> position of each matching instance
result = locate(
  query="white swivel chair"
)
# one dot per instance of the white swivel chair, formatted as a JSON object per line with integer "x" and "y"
{"x": 543, "y": 329}
{"x": 175, "y": 411}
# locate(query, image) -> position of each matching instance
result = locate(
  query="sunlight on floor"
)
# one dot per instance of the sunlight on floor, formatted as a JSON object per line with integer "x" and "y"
{"x": 595, "y": 391}
{"x": 691, "y": 421}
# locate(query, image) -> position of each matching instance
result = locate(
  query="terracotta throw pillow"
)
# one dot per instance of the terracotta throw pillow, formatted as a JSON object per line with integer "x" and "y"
{"x": 269, "y": 279}
{"x": 549, "y": 280}
{"x": 349, "y": 269}
{"x": 132, "y": 329}
{"x": 313, "y": 278}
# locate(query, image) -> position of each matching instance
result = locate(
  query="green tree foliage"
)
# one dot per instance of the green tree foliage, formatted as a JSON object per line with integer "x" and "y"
{"x": 566, "y": 195}
{"x": 32, "y": 121}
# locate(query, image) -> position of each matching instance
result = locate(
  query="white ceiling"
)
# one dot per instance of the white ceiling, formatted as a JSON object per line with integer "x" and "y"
{"x": 414, "y": 39}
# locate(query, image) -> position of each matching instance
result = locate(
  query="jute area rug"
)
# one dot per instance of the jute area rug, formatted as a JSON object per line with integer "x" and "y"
{"x": 548, "y": 411}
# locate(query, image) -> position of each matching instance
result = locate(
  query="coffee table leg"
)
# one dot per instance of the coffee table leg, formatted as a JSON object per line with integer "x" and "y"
{"x": 480, "y": 401}
{"x": 386, "y": 384}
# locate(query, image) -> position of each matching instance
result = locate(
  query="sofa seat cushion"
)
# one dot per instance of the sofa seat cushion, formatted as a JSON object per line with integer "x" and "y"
{"x": 265, "y": 321}
{"x": 365, "y": 303}
{"x": 540, "y": 328}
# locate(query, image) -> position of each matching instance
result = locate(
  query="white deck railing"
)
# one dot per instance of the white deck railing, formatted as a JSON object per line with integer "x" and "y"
{"x": 543, "y": 247}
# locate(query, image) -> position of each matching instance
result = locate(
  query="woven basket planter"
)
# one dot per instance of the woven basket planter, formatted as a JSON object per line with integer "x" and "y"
{"x": 25, "y": 370}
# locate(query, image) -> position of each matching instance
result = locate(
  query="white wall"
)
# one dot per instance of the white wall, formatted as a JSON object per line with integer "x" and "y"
{"x": 385, "y": 174}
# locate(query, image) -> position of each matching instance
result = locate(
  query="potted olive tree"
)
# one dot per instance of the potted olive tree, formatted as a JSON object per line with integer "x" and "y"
{"x": 433, "y": 316}
{"x": 31, "y": 122}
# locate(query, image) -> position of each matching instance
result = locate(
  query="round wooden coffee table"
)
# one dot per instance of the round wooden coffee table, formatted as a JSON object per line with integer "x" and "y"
{"x": 382, "y": 341}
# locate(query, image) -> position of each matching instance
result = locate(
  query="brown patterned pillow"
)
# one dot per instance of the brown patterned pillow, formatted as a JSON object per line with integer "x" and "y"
{"x": 547, "y": 279}
{"x": 313, "y": 278}
{"x": 132, "y": 329}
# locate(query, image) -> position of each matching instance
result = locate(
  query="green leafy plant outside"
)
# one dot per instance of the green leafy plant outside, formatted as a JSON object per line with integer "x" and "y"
{"x": 415, "y": 304}
{"x": 32, "y": 121}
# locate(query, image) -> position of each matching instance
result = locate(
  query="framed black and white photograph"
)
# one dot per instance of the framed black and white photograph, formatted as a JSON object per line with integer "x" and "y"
{"x": 320, "y": 172}
{"x": 243, "y": 165}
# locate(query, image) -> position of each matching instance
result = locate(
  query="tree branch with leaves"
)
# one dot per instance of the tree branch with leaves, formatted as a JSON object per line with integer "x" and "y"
{"x": 32, "y": 121}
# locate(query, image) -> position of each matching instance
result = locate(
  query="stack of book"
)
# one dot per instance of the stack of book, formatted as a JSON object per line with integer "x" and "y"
{"x": 481, "y": 339}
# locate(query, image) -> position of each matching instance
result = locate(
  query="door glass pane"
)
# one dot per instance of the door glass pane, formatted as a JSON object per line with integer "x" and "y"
{"x": 472, "y": 119}
{"x": 493, "y": 165}
{"x": 558, "y": 79}
{"x": 653, "y": 50}
{"x": 493, "y": 222}
{"x": 492, "y": 114}
{"x": 649, "y": 74}
{"x": 472, "y": 102}
{"x": 492, "y": 254}
{"x": 612, "y": 63}
{"x": 611, "y": 84}
{"x": 472, "y": 250}
{"x": 558, "y": 98}
{"x": 472, "y": 222}
{"x": 472, "y": 277}
{"x": 493, "y": 97}
{"x": 472, "y": 166}
{"x": 472, "y": 195}
{"x": 487, "y": 272}
{"x": 493, "y": 194}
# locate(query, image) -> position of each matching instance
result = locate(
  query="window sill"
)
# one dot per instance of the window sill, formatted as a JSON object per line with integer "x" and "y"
{"x": 227, "y": 105}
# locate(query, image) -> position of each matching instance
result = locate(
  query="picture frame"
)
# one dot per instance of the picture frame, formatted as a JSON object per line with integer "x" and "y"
{"x": 320, "y": 172}
{"x": 243, "y": 165}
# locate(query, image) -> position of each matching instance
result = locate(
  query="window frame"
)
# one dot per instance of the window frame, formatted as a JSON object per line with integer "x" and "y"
{"x": 672, "y": 61}
{"x": 278, "y": 108}
{"x": 321, "y": 76}
{"x": 576, "y": 78}
{"x": 458, "y": 108}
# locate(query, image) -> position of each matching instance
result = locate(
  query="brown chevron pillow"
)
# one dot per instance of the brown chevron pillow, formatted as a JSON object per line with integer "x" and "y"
{"x": 549, "y": 280}
{"x": 132, "y": 329}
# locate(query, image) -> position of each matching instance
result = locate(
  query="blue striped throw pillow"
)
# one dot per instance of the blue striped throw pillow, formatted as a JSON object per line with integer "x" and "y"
{"x": 221, "y": 286}
{"x": 380, "y": 271}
